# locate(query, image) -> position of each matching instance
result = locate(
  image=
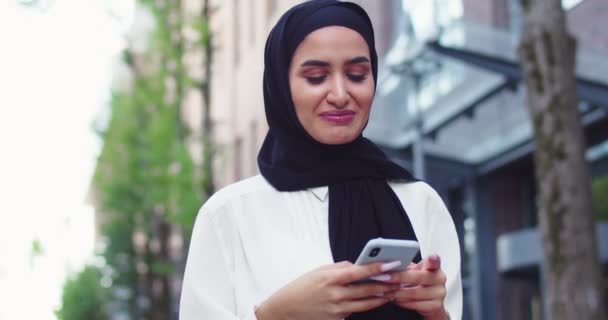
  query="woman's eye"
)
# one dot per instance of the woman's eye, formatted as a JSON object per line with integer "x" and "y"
{"x": 357, "y": 77}
{"x": 316, "y": 80}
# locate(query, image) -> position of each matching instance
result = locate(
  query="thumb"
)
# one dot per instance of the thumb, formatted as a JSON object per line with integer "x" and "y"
{"x": 414, "y": 266}
{"x": 432, "y": 263}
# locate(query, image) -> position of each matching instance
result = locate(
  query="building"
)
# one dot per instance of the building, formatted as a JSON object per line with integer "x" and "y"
{"x": 451, "y": 110}
{"x": 239, "y": 29}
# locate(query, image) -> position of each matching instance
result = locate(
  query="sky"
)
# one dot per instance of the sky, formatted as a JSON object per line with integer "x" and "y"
{"x": 55, "y": 73}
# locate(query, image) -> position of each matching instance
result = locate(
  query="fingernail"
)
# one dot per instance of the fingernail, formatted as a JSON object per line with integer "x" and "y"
{"x": 379, "y": 294}
{"x": 405, "y": 285}
{"x": 390, "y": 265}
{"x": 381, "y": 277}
{"x": 435, "y": 262}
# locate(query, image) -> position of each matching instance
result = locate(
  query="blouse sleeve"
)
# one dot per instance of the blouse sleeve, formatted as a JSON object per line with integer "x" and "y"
{"x": 208, "y": 286}
{"x": 444, "y": 242}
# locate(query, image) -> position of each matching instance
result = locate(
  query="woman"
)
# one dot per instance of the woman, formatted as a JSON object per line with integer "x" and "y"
{"x": 281, "y": 245}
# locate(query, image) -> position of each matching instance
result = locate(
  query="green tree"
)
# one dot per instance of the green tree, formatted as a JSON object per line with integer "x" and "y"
{"x": 120, "y": 188}
{"x": 83, "y": 297}
{"x": 147, "y": 184}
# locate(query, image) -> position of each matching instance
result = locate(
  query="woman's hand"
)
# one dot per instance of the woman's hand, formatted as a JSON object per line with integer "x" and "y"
{"x": 423, "y": 288}
{"x": 326, "y": 293}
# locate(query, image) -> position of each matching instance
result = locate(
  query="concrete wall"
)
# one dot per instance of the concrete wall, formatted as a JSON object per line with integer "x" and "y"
{"x": 488, "y": 12}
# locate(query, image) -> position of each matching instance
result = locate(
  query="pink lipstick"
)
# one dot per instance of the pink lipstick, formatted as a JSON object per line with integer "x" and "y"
{"x": 340, "y": 117}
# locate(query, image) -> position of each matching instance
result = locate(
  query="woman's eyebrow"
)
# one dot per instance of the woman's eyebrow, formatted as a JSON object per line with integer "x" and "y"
{"x": 319, "y": 63}
{"x": 315, "y": 63}
{"x": 357, "y": 60}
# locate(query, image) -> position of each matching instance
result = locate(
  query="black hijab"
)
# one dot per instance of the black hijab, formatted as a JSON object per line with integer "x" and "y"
{"x": 362, "y": 205}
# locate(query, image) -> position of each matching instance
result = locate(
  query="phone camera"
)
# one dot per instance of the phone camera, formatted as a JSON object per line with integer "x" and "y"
{"x": 374, "y": 252}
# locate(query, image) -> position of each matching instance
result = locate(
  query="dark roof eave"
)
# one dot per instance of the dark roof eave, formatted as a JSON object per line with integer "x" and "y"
{"x": 593, "y": 92}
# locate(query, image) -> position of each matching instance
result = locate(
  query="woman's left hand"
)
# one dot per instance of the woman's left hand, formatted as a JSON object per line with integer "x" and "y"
{"x": 424, "y": 288}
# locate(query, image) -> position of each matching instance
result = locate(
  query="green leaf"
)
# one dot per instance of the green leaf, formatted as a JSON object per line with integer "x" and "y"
{"x": 83, "y": 297}
{"x": 37, "y": 249}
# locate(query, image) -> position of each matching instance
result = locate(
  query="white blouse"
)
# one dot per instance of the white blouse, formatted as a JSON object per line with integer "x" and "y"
{"x": 249, "y": 240}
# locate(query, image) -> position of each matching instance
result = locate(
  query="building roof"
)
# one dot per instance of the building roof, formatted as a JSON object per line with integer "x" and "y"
{"x": 477, "y": 112}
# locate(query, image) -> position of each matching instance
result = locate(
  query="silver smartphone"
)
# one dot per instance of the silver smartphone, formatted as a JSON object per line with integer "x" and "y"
{"x": 388, "y": 250}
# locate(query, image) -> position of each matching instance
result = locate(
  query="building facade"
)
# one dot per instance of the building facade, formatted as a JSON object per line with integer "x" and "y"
{"x": 465, "y": 117}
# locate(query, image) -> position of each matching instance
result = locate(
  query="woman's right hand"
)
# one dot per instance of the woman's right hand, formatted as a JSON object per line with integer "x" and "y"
{"x": 326, "y": 293}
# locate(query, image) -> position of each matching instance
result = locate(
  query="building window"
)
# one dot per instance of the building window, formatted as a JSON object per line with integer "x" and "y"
{"x": 569, "y": 4}
{"x": 429, "y": 17}
{"x": 423, "y": 19}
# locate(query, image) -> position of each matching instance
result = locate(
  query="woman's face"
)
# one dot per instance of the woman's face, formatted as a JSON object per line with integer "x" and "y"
{"x": 332, "y": 86}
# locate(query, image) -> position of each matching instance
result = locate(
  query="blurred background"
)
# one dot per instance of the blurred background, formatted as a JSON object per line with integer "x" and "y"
{"x": 121, "y": 117}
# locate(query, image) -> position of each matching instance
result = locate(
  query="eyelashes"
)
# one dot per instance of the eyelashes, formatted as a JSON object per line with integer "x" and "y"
{"x": 316, "y": 80}
{"x": 357, "y": 78}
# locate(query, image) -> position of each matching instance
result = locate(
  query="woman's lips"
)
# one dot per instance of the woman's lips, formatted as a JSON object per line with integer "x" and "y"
{"x": 338, "y": 117}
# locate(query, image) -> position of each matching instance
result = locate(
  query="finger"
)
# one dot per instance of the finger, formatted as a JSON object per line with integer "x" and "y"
{"x": 413, "y": 266}
{"x": 342, "y": 264}
{"x": 337, "y": 265}
{"x": 354, "y": 272}
{"x": 367, "y": 290}
{"x": 432, "y": 263}
{"x": 418, "y": 277}
{"x": 363, "y": 305}
{"x": 420, "y": 293}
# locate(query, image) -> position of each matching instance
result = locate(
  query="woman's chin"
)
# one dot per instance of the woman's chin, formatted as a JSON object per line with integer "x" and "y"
{"x": 337, "y": 138}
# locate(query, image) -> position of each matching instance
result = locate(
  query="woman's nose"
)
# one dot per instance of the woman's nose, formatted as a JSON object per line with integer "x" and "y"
{"x": 338, "y": 94}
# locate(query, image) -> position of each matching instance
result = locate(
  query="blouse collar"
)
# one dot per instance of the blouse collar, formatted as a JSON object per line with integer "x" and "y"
{"x": 320, "y": 193}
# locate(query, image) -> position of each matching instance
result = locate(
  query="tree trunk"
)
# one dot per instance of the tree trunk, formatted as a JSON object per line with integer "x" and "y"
{"x": 164, "y": 278}
{"x": 571, "y": 271}
{"x": 158, "y": 282}
{"x": 208, "y": 187}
